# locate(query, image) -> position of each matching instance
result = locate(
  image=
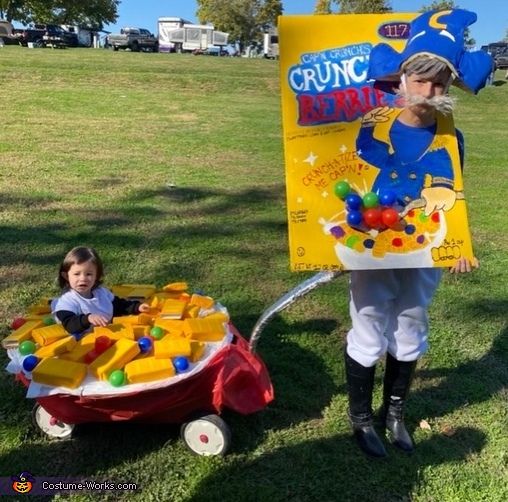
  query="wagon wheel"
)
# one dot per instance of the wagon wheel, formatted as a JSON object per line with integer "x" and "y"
{"x": 206, "y": 435}
{"x": 50, "y": 425}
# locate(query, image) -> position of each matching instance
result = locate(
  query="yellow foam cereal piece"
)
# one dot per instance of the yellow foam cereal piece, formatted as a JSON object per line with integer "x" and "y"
{"x": 59, "y": 373}
{"x": 114, "y": 358}
{"x": 43, "y": 307}
{"x": 173, "y": 309}
{"x": 148, "y": 369}
{"x": 126, "y": 319}
{"x": 172, "y": 326}
{"x": 221, "y": 316}
{"x": 158, "y": 298}
{"x": 59, "y": 347}
{"x": 80, "y": 350}
{"x": 115, "y": 331}
{"x": 35, "y": 317}
{"x": 120, "y": 290}
{"x": 130, "y": 320}
{"x": 197, "y": 350}
{"x": 142, "y": 292}
{"x": 191, "y": 311}
{"x": 146, "y": 319}
{"x": 140, "y": 330}
{"x": 171, "y": 347}
{"x": 49, "y": 334}
{"x": 23, "y": 333}
{"x": 205, "y": 302}
{"x": 133, "y": 291}
{"x": 178, "y": 287}
{"x": 204, "y": 329}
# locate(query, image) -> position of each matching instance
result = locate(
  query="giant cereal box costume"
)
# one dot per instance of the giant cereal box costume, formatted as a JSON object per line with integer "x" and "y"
{"x": 351, "y": 203}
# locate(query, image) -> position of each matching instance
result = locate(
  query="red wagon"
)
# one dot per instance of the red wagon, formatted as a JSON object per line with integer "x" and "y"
{"x": 234, "y": 378}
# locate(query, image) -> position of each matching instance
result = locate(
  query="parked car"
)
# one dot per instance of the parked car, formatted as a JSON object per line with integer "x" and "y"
{"x": 135, "y": 39}
{"x": 42, "y": 34}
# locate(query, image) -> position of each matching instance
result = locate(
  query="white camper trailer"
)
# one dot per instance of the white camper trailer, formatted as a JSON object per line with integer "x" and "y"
{"x": 271, "y": 44}
{"x": 166, "y": 25}
{"x": 197, "y": 38}
{"x": 85, "y": 35}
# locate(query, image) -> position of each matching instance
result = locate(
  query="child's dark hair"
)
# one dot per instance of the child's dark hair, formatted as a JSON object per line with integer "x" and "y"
{"x": 79, "y": 255}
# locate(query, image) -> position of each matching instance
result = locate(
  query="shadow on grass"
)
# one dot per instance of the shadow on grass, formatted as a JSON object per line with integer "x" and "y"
{"x": 94, "y": 448}
{"x": 302, "y": 384}
{"x": 472, "y": 382}
{"x": 183, "y": 222}
{"x": 333, "y": 469}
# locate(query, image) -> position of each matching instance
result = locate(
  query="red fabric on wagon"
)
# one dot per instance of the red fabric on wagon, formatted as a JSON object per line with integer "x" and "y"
{"x": 234, "y": 378}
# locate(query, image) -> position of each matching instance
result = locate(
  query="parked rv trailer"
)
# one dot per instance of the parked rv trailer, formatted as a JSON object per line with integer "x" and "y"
{"x": 166, "y": 25}
{"x": 85, "y": 35}
{"x": 271, "y": 44}
{"x": 197, "y": 38}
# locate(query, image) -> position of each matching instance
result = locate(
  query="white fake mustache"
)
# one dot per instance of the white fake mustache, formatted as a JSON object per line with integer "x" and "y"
{"x": 443, "y": 104}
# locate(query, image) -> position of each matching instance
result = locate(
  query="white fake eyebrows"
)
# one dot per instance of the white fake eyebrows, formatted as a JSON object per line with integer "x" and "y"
{"x": 444, "y": 33}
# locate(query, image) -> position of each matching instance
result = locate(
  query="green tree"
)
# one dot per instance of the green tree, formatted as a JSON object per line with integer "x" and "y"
{"x": 323, "y": 7}
{"x": 14, "y": 10}
{"x": 363, "y": 6}
{"x": 244, "y": 20}
{"x": 92, "y": 13}
{"x": 439, "y": 5}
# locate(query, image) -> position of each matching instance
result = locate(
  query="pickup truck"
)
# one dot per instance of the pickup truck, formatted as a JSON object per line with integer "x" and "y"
{"x": 135, "y": 39}
{"x": 46, "y": 34}
{"x": 501, "y": 59}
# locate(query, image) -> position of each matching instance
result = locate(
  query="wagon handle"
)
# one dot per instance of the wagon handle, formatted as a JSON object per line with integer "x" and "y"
{"x": 287, "y": 299}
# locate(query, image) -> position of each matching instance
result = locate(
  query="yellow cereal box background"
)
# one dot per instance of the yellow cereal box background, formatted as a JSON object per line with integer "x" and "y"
{"x": 325, "y": 94}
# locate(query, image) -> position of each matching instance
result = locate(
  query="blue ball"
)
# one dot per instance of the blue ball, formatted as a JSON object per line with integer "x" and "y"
{"x": 354, "y": 218}
{"x": 387, "y": 197}
{"x": 410, "y": 229}
{"x": 353, "y": 201}
{"x": 145, "y": 344}
{"x": 180, "y": 363}
{"x": 30, "y": 362}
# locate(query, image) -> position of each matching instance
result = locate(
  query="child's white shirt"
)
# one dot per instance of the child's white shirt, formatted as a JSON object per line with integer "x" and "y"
{"x": 101, "y": 303}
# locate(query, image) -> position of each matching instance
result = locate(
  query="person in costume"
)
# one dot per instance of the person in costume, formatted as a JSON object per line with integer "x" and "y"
{"x": 417, "y": 151}
{"x": 84, "y": 302}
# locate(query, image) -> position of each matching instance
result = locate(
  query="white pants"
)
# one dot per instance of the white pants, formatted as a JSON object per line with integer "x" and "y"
{"x": 388, "y": 311}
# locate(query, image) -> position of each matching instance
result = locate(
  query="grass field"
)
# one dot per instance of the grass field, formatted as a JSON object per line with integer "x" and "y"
{"x": 172, "y": 167}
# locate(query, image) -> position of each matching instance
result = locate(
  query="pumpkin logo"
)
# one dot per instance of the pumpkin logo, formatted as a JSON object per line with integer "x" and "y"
{"x": 23, "y": 483}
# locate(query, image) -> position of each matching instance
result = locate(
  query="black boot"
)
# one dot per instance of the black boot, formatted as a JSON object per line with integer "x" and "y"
{"x": 360, "y": 382}
{"x": 397, "y": 380}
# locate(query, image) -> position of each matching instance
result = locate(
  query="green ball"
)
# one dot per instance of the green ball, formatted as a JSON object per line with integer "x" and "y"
{"x": 342, "y": 189}
{"x": 48, "y": 321}
{"x": 117, "y": 378}
{"x": 26, "y": 347}
{"x": 157, "y": 332}
{"x": 370, "y": 199}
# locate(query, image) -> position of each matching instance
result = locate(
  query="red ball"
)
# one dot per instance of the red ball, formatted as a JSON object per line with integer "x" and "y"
{"x": 390, "y": 217}
{"x": 372, "y": 217}
{"x": 18, "y": 322}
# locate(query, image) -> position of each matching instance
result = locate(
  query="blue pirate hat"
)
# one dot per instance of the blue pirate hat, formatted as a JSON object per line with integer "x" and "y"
{"x": 439, "y": 34}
